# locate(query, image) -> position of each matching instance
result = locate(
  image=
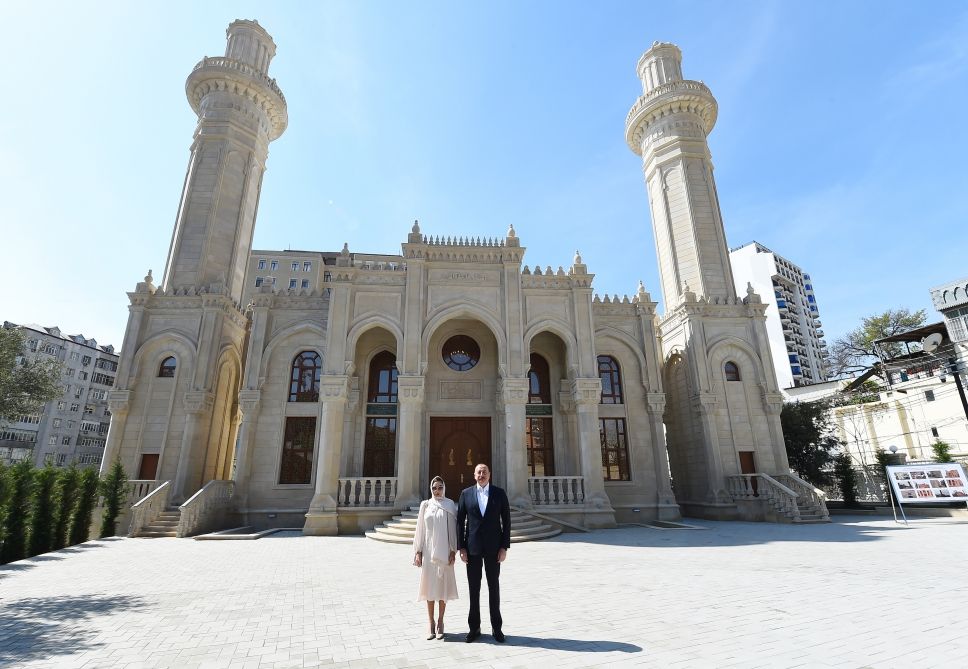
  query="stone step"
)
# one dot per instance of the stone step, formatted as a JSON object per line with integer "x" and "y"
{"x": 152, "y": 534}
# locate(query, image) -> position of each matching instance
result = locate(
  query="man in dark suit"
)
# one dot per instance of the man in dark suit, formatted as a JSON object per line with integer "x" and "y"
{"x": 483, "y": 538}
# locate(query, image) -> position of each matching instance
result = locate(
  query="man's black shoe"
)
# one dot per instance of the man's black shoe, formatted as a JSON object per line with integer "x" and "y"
{"x": 472, "y": 635}
{"x": 498, "y": 636}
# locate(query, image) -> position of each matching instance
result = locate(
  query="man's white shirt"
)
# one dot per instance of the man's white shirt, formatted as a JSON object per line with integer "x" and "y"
{"x": 482, "y": 494}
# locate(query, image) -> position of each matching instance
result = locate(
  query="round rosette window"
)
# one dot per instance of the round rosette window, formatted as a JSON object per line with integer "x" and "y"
{"x": 461, "y": 353}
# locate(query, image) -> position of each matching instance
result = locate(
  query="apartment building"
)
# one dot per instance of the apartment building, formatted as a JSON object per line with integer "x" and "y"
{"x": 792, "y": 316}
{"x": 73, "y": 427}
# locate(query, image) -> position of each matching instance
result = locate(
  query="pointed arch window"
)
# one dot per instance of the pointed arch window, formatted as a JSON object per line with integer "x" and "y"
{"x": 166, "y": 369}
{"x": 380, "y": 440}
{"x": 608, "y": 372}
{"x": 731, "y": 370}
{"x": 304, "y": 379}
{"x": 539, "y": 427}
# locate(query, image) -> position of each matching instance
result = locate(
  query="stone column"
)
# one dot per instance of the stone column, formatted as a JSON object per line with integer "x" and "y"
{"x": 410, "y": 393}
{"x": 322, "y": 515}
{"x": 598, "y": 508}
{"x": 705, "y": 409}
{"x": 197, "y": 403}
{"x": 118, "y": 401}
{"x": 660, "y": 464}
{"x": 514, "y": 395}
{"x": 249, "y": 404}
{"x": 773, "y": 402}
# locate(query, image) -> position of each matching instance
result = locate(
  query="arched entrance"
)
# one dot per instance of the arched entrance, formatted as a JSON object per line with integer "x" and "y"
{"x": 457, "y": 445}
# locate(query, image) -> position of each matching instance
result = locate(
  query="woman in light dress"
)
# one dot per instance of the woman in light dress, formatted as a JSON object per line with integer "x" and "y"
{"x": 435, "y": 547}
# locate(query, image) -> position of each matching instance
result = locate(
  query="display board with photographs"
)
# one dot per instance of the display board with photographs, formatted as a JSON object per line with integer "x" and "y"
{"x": 936, "y": 482}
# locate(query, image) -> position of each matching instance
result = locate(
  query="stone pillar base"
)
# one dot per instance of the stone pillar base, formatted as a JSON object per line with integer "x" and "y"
{"x": 321, "y": 524}
{"x": 597, "y": 519}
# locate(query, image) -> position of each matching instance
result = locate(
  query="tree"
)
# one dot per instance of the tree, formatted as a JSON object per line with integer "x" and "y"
{"x": 854, "y": 352}
{"x": 883, "y": 460}
{"x": 86, "y": 500}
{"x": 20, "y": 479}
{"x": 42, "y": 511}
{"x": 4, "y": 489}
{"x": 24, "y": 386}
{"x": 113, "y": 489}
{"x": 64, "y": 494}
{"x": 846, "y": 478}
{"x": 809, "y": 439}
{"x": 942, "y": 451}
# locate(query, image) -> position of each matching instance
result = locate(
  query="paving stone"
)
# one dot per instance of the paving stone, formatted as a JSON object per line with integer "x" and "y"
{"x": 854, "y": 593}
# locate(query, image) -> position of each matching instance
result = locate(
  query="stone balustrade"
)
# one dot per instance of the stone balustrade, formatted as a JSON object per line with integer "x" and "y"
{"x": 138, "y": 489}
{"x": 556, "y": 490}
{"x": 764, "y": 487}
{"x": 367, "y": 491}
{"x": 147, "y": 510}
{"x": 205, "y": 510}
{"x": 806, "y": 491}
{"x": 237, "y": 65}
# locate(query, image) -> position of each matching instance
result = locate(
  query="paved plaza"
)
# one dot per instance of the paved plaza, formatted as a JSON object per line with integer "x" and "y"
{"x": 858, "y": 592}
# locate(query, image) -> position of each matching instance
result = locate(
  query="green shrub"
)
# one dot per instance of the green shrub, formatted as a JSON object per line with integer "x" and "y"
{"x": 942, "y": 451}
{"x": 65, "y": 492}
{"x": 86, "y": 501}
{"x": 20, "y": 479}
{"x": 42, "y": 511}
{"x": 114, "y": 487}
{"x": 846, "y": 478}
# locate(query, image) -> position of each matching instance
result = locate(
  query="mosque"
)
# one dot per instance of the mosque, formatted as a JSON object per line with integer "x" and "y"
{"x": 324, "y": 389}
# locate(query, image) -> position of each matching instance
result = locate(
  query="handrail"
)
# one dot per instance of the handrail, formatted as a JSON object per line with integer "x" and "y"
{"x": 206, "y": 508}
{"x": 366, "y": 491}
{"x": 146, "y": 510}
{"x": 556, "y": 490}
{"x": 816, "y": 496}
{"x": 782, "y": 498}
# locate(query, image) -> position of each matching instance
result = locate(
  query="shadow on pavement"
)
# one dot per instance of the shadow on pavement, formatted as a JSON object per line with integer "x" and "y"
{"x": 576, "y": 645}
{"x": 736, "y": 533}
{"x": 44, "y": 628}
{"x": 7, "y": 570}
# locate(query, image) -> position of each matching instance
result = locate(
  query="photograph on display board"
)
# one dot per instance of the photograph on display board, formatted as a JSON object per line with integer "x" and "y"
{"x": 932, "y": 482}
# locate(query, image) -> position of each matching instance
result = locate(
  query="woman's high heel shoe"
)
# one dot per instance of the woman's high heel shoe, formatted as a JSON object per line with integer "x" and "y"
{"x": 433, "y": 634}
{"x": 440, "y": 630}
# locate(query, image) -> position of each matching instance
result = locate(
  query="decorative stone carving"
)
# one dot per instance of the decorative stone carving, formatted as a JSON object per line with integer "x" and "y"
{"x": 410, "y": 389}
{"x": 198, "y": 401}
{"x": 333, "y": 388}
{"x": 460, "y": 390}
{"x": 586, "y": 391}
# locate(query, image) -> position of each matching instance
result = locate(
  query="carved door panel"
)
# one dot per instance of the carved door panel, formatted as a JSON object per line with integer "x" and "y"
{"x": 149, "y": 467}
{"x": 457, "y": 445}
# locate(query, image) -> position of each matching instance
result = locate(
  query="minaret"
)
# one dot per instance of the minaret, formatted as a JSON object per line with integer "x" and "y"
{"x": 181, "y": 427}
{"x": 667, "y": 126}
{"x": 240, "y": 110}
{"x": 722, "y": 402}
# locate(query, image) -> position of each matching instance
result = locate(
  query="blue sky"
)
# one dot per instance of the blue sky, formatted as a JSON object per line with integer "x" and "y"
{"x": 840, "y": 143}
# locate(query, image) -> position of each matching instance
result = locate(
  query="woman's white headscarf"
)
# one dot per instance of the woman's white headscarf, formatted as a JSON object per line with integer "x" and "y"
{"x": 443, "y": 501}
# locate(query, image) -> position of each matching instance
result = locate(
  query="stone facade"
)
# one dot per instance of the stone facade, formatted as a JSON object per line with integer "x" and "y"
{"x": 330, "y": 386}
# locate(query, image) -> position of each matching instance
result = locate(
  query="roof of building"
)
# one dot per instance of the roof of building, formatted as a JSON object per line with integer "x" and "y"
{"x": 55, "y": 331}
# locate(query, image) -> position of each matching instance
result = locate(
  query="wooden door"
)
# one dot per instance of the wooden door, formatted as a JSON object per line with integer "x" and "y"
{"x": 747, "y": 465}
{"x": 149, "y": 467}
{"x": 457, "y": 445}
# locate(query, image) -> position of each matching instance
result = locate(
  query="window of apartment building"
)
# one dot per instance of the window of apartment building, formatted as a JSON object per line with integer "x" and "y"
{"x": 89, "y": 459}
{"x": 78, "y": 392}
{"x": 52, "y": 440}
{"x": 75, "y": 355}
{"x": 50, "y": 349}
{"x": 307, "y": 266}
{"x": 295, "y": 267}
{"x": 70, "y": 425}
{"x": 99, "y": 394}
{"x": 75, "y": 407}
{"x": 929, "y": 395}
{"x": 57, "y": 422}
{"x": 305, "y": 283}
{"x": 69, "y": 372}
{"x": 327, "y": 276}
{"x": 274, "y": 265}
{"x": 107, "y": 365}
{"x": 292, "y": 283}
{"x": 66, "y": 441}
{"x": 61, "y": 459}
{"x": 49, "y": 459}
{"x": 86, "y": 360}
{"x": 82, "y": 376}
{"x": 32, "y": 345}
{"x": 103, "y": 379}
{"x": 88, "y": 409}
{"x": 258, "y": 282}
{"x": 61, "y": 406}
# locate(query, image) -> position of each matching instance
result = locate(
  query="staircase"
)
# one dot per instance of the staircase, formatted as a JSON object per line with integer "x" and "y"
{"x": 400, "y": 530}
{"x": 810, "y": 512}
{"x": 165, "y": 526}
